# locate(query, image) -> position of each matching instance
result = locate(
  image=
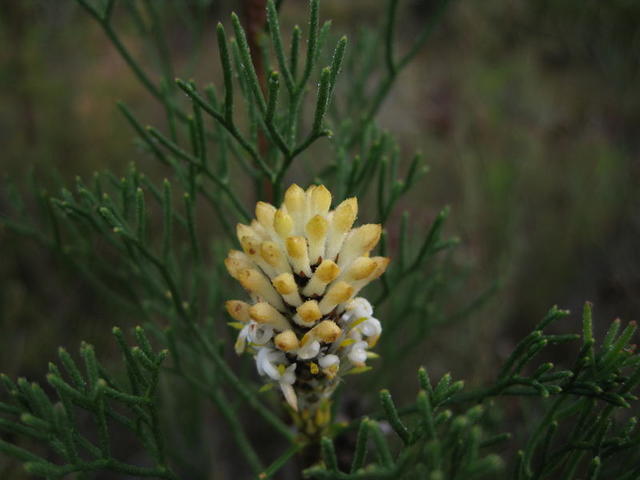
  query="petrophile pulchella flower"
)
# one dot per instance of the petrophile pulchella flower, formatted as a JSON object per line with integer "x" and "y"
{"x": 303, "y": 266}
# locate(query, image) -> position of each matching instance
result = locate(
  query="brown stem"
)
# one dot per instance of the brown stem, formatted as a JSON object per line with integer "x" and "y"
{"x": 255, "y": 13}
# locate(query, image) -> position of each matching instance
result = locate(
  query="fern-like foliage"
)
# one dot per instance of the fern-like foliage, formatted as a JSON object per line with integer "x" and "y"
{"x": 142, "y": 244}
{"x": 582, "y": 432}
{"x": 29, "y": 412}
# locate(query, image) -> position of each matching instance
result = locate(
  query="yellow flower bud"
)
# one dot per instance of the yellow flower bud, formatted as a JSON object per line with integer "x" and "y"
{"x": 320, "y": 200}
{"x": 265, "y": 313}
{"x": 257, "y": 284}
{"x": 316, "y": 234}
{"x": 326, "y": 272}
{"x": 359, "y": 242}
{"x": 308, "y": 313}
{"x": 286, "y": 341}
{"x": 298, "y": 255}
{"x": 282, "y": 223}
{"x": 337, "y": 293}
{"x": 238, "y": 310}
{"x": 265, "y": 213}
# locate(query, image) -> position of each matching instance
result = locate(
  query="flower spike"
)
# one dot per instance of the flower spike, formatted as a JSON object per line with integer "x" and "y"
{"x": 303, "y": 265}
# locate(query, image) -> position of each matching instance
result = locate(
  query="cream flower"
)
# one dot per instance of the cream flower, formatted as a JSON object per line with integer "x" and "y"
{"x": 302, "y": 265}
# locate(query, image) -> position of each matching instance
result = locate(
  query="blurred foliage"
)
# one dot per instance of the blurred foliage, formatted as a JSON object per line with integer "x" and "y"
{"x": 526, "y": 113}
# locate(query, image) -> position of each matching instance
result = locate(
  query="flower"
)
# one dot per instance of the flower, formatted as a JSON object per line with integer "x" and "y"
{"x": 303, "y": 265}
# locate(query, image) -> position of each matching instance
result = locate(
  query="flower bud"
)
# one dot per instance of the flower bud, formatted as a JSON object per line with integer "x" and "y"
{"x": 320, "y": 200}
{"x": 341, "y": 222}
{"x": 338, "y": 292}
{"x": 326, "y": 273}
{"x": 316, "y": 234}
{"x": 274, "y": 256}
{"x": 308, "y": 313}
{"x": 299, "y": 256}
{"x": 265, "y": 313}
{"x": 251, "y": 246}
{"x": 359, "y": 242}
{"x": 265, "y": 213}
{"x": 282, "y": 223}
{"x": 257, "y": 284}
{"x": 326, "y": 331}
{"x": 295, "y": 201}
{"x": 237, "y": 261}
{"x": 238, "y": 310}
{"x": 286, "y": 341}
{"x": 380, "y": 264}
{"x": 360, "y": 269}
{"x": 286, "y": 286}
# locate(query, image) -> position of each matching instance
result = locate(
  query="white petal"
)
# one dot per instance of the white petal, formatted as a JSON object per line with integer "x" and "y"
{"x": 310, "y": 350}
{"x": 289, "y": 395}
{"x": 260, "y": 334}
{"x": 371, "y": 327}
{"x": 263, "y": 362}
{"x": 289, "y": 376}
{"x": 358, "y": 353}
{"x": 241, "y": 342}
{"x": 328, "y": 361}
{"x": 359, "y": 307}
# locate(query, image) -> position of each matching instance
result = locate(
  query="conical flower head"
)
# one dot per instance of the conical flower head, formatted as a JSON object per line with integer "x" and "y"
{"x": 303, "y": 265}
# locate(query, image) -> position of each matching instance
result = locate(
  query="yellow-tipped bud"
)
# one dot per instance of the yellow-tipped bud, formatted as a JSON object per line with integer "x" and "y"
{"x": 368, "y": 236}
{"x": 381, "y": 266}
{"x": 250, "y": 279}
{"x": 359, "y": 242}
{"x": 338, "y": 293}
{"x": 282, "y": 223}
{"x": 316, "y": 233}
{"x": 298, "y": 255}
{"x": 361, "y": 268}
{"x": 308, "y": 312}
{"x": 265, "y": 212}
{"x": 285, "y": 284}
{"x": 257, "y": 284}
{"x": 243, "y": 230}
{"x": 272, "y": 254}
{"x": 232, "y": 267}
{"x": 263, "y": 312}
{"x": 250, "y": 245}
{"x": 296, "y": 247}
{"x": 317, "y": 227}
{"x": 238, "y": 310}
{"x": 326, "y": 331}
{"x": 345, "y": 214}
{"x": 294, "y": 199}
{"x": 327, "y": 271}
{"x": 320, "y": 200}
{"x": 342, "y": 219}
{"x": 286, "y": 341}
{"x": 237, "y": 261}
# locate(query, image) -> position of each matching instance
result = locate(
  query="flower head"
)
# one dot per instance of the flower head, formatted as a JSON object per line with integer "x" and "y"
{"x": 303, "y": 266}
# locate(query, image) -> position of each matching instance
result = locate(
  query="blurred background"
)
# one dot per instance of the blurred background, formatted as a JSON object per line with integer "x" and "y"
{"x": 528, "y": 114}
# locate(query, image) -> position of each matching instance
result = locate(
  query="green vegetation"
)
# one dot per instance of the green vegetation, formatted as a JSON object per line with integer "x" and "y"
{"x": 146, "y": 243}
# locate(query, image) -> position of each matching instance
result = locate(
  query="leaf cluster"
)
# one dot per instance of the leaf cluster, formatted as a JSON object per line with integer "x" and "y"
{"x": 584, "y": 427}
{"x": 29, "y": 412}
{"x": 143, "y": 245}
